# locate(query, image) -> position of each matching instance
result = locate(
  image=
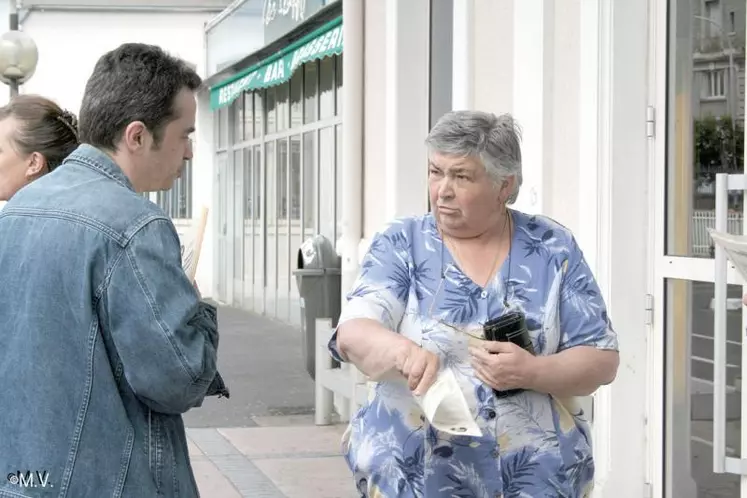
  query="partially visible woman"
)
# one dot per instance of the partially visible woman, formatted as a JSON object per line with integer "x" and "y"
{"x": 36, "y": 135}
{"x": 427, "y": 287}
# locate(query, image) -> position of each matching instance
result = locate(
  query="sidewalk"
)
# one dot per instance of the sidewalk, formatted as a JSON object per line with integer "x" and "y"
{"x": 262, "y": 441}
{"x": 283, "y": 457}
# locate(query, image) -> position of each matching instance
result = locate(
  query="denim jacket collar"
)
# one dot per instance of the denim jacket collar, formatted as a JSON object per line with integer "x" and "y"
{"x": 101, "y": 162}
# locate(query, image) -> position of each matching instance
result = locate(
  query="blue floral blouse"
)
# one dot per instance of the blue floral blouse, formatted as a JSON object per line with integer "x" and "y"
{"x": 533, "y": 445}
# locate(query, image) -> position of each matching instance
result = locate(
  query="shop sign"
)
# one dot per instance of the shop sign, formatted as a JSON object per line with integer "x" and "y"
{"x": 277, "y": 70}
{"x": 280, "y": 16}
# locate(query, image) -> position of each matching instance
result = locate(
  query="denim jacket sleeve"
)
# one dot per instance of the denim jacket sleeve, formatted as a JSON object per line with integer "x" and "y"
{"x": 166, "y": 338}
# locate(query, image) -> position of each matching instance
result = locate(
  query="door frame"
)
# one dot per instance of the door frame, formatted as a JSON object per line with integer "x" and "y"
{"x": 663, "y": 267}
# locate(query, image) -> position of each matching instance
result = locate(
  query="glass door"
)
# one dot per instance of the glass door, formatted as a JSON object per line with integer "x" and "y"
{"x": 237, "y": 211}
{"x": 221, "y": 168}
{"x": 699, "y": 322}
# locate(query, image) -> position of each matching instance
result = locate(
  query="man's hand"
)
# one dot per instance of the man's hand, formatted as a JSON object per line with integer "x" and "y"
{"x": 419, "y": 365}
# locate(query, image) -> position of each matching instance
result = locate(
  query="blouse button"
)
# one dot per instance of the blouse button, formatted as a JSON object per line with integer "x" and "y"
{"x": 483, "y": 294}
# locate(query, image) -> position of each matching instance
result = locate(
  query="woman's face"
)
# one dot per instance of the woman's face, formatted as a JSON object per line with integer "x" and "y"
{"x": 16, "y": 170}
{"x": 464, "y": 199}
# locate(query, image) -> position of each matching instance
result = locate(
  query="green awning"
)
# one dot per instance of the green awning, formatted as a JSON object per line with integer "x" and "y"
{"x": 323, "y": 42}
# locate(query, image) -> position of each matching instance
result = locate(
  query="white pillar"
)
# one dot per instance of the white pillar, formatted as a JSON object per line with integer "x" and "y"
{"x": 462, "y": 96}
{"x": 532, "y": 85}
{"x": 592, "y": 71}
{"x": 203, "y": 184}
{"x": 352, "y": 141}
{"x": 620, "y": 419}
{"x": 407, "y": 105}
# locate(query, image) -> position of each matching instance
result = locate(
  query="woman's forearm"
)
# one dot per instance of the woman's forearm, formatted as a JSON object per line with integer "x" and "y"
{"x": 371, "y": 347}
{"x": 578, "y": 371}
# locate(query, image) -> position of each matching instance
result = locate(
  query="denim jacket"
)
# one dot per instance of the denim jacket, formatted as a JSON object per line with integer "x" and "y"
{"x": 105, "y": 342}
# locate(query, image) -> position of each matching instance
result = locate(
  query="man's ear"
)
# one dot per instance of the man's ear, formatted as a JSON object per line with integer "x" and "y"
{"x": 135, "y": 136}
{"x": 37, "y": 165}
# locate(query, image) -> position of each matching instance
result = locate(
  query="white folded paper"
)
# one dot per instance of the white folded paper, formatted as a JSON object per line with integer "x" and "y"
{"x": 443, "y": 404}
{"x": 735, "y": 247}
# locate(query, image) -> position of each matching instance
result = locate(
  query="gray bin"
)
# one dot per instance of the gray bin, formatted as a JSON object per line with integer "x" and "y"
{"x": 319, "y": 282}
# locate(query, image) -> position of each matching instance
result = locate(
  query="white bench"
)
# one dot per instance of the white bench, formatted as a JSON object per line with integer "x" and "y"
{"x": 347, "y": 382}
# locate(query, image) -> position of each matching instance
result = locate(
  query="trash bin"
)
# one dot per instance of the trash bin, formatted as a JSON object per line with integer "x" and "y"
{"x": 319, "y": 282}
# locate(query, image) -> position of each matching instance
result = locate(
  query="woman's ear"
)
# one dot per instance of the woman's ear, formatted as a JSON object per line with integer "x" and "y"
{"x": 507, "y": 188}
{"x": 37, "y": 165}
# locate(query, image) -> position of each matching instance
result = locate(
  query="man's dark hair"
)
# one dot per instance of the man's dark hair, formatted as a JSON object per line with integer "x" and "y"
{"x": 134, "y": 82}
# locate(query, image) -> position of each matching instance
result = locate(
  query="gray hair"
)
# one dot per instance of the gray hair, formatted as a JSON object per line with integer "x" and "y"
{"x": 494, "y": 140}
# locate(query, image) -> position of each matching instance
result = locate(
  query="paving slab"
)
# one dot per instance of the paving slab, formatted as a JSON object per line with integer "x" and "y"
{"x": 260, "y": 360}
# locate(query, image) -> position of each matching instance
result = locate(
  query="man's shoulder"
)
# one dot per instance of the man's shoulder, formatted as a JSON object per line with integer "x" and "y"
{"x": 81, "y": 196}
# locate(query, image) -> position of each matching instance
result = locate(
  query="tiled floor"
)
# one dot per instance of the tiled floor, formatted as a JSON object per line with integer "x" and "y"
{"x": 284, "y": 457}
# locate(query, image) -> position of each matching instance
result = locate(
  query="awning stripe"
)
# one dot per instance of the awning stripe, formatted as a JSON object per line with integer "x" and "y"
{"x": 325, "y": 41}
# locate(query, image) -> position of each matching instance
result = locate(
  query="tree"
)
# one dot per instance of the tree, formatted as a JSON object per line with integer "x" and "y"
{"x": 719, "y": 146}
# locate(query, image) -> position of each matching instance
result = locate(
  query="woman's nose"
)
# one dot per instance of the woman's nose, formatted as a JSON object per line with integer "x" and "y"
{"x": 445, "y": 190}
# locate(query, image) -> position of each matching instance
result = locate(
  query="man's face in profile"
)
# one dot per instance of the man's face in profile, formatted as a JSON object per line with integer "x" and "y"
{"x": 166, "y": 159}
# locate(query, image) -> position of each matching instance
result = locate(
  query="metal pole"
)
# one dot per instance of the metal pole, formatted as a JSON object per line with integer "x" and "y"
{"x": 13, "y": 27}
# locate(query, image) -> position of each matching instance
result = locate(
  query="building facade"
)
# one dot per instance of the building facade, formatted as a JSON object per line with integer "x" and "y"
{"x": 628, "y": 114}
{"x": 277, "y": 125}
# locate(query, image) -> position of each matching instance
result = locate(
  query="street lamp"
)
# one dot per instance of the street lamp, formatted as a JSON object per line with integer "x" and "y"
{"x": 18, "y": 55}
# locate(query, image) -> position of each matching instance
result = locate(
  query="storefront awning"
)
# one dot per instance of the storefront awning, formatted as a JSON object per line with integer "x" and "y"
{"x": 323, "y": 42}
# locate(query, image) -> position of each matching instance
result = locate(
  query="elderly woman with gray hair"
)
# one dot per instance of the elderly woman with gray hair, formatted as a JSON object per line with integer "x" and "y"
{"x": 428, "y": 286}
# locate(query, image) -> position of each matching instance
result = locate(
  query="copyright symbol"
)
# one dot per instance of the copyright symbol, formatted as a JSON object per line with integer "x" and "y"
{"x": 13, "y": 478}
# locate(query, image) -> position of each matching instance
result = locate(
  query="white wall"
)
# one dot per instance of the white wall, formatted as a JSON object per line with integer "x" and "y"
{"x": 69, "y": 45}
{"x": 576, "y": 78}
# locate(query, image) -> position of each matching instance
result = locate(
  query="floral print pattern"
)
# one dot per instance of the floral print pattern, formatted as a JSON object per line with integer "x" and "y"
{"x": 533, "y": 445}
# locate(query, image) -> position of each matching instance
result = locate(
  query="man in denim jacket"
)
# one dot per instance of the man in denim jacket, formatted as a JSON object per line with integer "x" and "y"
{"x": 105, "y": 341}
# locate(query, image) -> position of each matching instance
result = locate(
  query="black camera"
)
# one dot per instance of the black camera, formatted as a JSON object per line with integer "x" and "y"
{"x": 511, "y": 327}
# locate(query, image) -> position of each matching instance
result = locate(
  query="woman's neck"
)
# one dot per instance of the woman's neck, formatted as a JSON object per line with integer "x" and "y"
{"x": 496, "y": 234}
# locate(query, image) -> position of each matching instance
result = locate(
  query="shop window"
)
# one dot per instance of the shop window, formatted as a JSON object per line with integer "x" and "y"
{"x": 270, "y": 108}
{"x": 271, "y": 178}
{"x": 177, "y": 201}
{"x": 282, "y": 106}
{"x": 237, "y": 120}
{"x": 282, "y": 186}
{"x": 249, "y": 199}
{"x": 311, "y": 85}
{"x": 327, "y": 88}
{"x": 258, "y": 114}
{"x": 309, "y": 181}
{"x": 257, "y": 183}
{"x": 296, "y": 99}
{"x": 222, "y": 128}
{"x": 338, "y": 179}
{"x": 295, "y": 177}
{"x": 248, "y": 115}
{"x": 338, "y": 82}
{"x": 327, "y": 152}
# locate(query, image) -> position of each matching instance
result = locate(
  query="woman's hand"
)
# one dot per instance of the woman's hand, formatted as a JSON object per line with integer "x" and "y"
{"x": 503, "y": 365}
{"x": 419, "y": 365}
